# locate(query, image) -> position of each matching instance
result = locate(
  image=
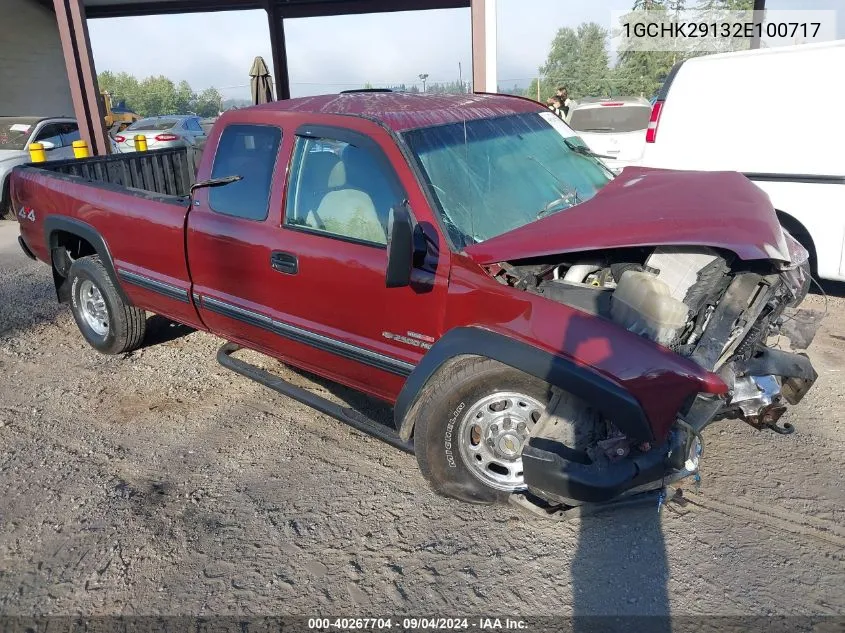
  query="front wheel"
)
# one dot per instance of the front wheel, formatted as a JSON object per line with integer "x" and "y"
{"x": 470, "y": 426}
{"x": 107, "y": 323}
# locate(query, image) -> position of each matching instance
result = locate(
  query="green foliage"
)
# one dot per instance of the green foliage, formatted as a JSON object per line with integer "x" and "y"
{"x": 159, "y": 95}
{"x": 726, "y": 5}
{"x": 208, "y": 103}
{"x": 578, "y": 58}
{"x": 452, "y": 87}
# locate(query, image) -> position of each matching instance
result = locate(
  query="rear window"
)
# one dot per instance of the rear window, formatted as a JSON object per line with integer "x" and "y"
{"x": 248, "y": 151}
{"x": 153, "y": 124}
{"x": 611, "y": 119}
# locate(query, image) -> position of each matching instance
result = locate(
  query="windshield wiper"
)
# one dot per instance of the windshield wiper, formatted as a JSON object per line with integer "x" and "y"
{"x": 566, "y": 201}
{"x": 215, "y": 182}
{"x": 568, "y": 195}
{"x": 584, "y": 150}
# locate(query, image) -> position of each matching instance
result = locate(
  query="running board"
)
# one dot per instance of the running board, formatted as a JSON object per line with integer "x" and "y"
{"x": 348, "y": 415}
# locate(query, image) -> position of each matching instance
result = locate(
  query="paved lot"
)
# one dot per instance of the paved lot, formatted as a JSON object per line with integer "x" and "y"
{"x": 160, "y": 483}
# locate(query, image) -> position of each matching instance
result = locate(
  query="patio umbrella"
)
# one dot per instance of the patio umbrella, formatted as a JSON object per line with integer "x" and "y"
{"x": 260, "y": 82}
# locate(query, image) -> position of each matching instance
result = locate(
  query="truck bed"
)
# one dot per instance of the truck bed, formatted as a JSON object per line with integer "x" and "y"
{"x": 167, "y": 172}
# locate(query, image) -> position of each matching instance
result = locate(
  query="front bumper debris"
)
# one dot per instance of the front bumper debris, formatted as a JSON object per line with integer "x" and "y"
{"x": 557, "y": 473}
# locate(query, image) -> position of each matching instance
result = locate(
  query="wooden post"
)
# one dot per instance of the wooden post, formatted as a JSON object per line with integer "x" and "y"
{"x": 484, "y": 66}
{"x": 84, "y": 91}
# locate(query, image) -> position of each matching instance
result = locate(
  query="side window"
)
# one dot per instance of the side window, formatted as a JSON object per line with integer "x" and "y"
{"x": 248, "y": 151}
{"x": 50, "y": 133}
{"x": 340, "y": 189}
{"x": 195, "y": 126}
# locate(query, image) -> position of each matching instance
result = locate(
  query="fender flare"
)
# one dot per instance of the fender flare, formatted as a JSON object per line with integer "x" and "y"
{"x": 614, "y": 401}
{"x": 54, "y": 223}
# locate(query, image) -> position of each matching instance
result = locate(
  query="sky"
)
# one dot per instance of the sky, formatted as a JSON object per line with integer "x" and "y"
{"x": 337, "y": 53}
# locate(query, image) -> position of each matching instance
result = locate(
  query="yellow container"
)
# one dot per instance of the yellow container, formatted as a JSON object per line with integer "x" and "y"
{"x": 37, "y": 153}
{"x": 140, "y": 143}
{"x": 80, "y": 149}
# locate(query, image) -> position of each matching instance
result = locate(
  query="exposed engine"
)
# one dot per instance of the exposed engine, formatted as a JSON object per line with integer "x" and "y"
{"x": 702, "y": 304}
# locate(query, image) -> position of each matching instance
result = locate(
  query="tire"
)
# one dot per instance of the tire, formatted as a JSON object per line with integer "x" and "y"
{"x": 107, "y": 323}
{"x": 446, "y": 439}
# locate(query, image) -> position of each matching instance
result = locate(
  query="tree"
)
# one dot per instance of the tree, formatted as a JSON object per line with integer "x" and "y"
{"x": 183, "y": 98}
{"x": 641, "y": 72}
{"x": 726, "y": 5}
{"x": 208, "y": 103}
{"x": 578, "y": 60}
{"x": 121, "y": 87}
{"x": 159, "y": 95}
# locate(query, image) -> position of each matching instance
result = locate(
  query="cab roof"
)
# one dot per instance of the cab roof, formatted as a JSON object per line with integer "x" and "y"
{"x": 401, "y": 111}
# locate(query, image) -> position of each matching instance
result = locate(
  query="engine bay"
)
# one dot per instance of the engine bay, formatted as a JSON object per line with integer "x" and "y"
{"x": 703, "y": 304}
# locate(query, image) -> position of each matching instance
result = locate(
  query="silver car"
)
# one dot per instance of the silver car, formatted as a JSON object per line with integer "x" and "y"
{"x": 163, "y": 132}
{"x": 56, "y": 134}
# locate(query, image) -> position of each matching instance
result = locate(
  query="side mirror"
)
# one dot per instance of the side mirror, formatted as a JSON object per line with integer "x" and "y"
{"x": 47, "y": 145}
{"x": 400, "y": 247}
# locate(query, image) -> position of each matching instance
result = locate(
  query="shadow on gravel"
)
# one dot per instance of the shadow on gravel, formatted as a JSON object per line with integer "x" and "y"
{"x": 620, "y": 567}
{"x": 161, "y": 330}
{"x": 620, "y": 570}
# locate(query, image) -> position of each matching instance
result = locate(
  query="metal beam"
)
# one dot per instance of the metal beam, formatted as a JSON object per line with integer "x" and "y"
{"x": 759, "y": 8}
{"x": 484, "y": 66}
{"x": 84, "y": 91}
{"x": 279, "y": 50}
{"x": 168, "y": 7}
{"x": 287, "y": 8}
{"x": 327, "y": 8}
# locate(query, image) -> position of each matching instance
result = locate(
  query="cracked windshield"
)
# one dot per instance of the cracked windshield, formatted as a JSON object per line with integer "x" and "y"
{"x": 494, "y": 175}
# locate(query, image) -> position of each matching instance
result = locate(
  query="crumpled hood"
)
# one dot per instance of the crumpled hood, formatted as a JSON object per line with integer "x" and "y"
{"x": 652, "y": 207}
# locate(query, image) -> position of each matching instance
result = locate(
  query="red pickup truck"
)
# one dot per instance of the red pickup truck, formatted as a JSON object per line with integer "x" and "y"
{"x": 544, "y": 330}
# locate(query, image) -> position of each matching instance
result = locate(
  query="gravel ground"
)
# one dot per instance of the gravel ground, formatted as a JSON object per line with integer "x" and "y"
{"x": 159, "y": 483}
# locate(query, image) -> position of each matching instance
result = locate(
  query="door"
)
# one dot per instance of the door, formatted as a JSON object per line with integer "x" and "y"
{"x": 305, "y": 282}
{"x": 231, "y": 233}
{"x": 341, "y": 190}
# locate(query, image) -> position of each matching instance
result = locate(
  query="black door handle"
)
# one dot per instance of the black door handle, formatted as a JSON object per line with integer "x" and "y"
{"x": 284, "y": 262}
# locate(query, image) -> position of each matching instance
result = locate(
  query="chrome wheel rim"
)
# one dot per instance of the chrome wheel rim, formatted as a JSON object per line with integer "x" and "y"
{"x": 492, "y": 435}
{"x": 93, "y": 307}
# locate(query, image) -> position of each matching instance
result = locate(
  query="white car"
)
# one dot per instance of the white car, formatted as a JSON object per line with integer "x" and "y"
{"x": 56, "y": 134}
{"x": 614, "y": 128}
{"x": 775, "y": 115}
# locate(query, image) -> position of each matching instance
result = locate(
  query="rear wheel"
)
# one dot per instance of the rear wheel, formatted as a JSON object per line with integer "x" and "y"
{"x": 471, "y": 423}
{"x": 108, "y": 323}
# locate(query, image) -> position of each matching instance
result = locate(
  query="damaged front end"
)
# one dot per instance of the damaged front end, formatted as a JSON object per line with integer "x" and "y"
{"x": 727, "y": 315}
